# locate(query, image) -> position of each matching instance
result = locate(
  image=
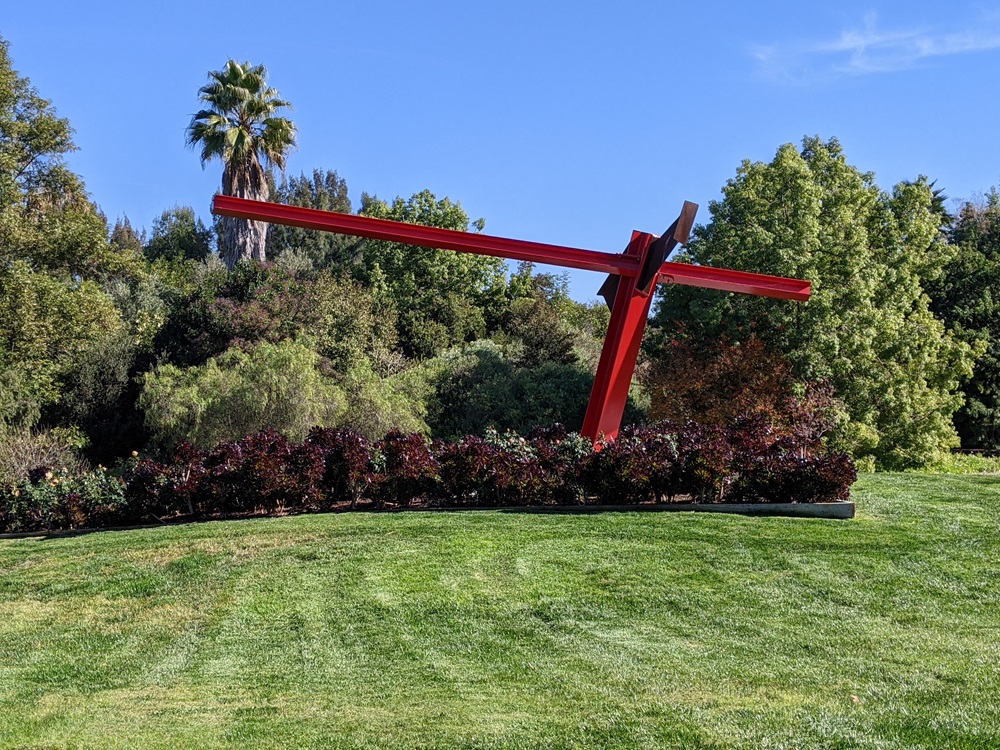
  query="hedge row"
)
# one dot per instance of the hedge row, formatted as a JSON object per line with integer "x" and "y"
{"x": 338, "y": 468}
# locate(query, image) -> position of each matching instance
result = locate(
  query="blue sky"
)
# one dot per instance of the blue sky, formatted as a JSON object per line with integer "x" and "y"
{"x": 570, "y": 123}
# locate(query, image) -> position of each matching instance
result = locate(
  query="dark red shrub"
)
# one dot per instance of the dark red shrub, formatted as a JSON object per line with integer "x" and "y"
{"x": 789, "y": 471}
{"x": 408, "y": 469}
{"x": 348, "y": 471}
{"x": 704, "y": 463}
{"x": 475, "y": 471}
{"x": 620, "y": 473}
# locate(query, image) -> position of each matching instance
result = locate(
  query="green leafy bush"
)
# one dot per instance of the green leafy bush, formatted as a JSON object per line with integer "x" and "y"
{"x": 277, "y": 386}
{"x": 58, "y": 499}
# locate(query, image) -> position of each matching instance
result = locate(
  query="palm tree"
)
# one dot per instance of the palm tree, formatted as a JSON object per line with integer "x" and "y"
{"x": 240, "y": 127}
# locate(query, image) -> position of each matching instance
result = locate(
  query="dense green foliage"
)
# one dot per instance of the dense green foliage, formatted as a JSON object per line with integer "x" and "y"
{"x": 967, "y": 298}
{"x": 113, "y": 340}
{"x": 179, "y": 235}
{"x": 325, "y": 191}
{"x": 239, "y": 393}
{"x": 512, "y": 630}
{"x": 442, "y": 297}
{"x": 867, "y": 327}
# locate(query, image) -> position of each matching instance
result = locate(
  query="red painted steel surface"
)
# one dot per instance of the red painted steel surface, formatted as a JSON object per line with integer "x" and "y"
{"x": 415, "y": 234}
{"x": 629, "y": 313}
{"x": 734, "y": 281}
{"x": 501, "y": 247}
{"x": 629, "y": 297}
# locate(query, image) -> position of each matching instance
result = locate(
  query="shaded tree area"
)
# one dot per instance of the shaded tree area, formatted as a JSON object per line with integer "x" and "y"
{"x": 967, "y": 298}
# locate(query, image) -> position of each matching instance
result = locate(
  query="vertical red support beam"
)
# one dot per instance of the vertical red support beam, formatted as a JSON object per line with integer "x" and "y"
{"x": 621, "y": 349}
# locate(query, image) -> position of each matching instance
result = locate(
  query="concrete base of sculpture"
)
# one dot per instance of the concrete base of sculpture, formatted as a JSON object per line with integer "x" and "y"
{"x": 793, "y": 510}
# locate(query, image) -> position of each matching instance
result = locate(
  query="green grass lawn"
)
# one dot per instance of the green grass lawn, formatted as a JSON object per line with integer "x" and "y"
{"x": 497, "y": 630}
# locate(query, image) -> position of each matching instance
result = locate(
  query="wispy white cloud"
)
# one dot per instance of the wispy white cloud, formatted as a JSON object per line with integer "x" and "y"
{"x": 871, "y": 50}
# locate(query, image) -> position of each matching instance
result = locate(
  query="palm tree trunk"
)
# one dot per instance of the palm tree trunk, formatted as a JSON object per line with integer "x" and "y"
{"x": 242, "y": 239}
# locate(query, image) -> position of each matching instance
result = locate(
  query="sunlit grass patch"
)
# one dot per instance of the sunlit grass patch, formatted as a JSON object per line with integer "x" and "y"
{"x": 505, "y": 630}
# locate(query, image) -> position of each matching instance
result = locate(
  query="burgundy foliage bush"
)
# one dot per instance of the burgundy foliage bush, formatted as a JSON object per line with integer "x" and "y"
{"x": 348, "y": 469}
{"x": 409, "y": 469}
{"x": 749, "y": 461}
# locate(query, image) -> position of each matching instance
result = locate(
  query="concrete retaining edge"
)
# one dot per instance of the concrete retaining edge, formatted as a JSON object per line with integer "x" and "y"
{"x": 839, "y": 510}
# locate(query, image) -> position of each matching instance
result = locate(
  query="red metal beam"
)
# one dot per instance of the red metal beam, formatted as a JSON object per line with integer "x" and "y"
{"x": 734, "y": 281}
{"x": 501, "y": 247}
{"x": 415, "y": 234}
{"x": 629, "y": 313}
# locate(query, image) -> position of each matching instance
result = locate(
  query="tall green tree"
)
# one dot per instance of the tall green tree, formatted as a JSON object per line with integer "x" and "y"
{"x": 33, "y": 140}
{"x": 46, "y": 216}
{"x": 179, "y": 235}
{"x": 967, "y": 298}
{"x": 325, "y": 191}
{"x": 55, "y": 257}
{"x": 442, "y": 297}
{"x": 240, "y": 125}
{"x": 867, "y": 328}
{"x": 124, "y": 238}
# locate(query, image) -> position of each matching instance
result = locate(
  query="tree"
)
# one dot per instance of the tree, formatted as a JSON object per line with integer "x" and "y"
{"x": 535, "y": 316}
{"x": 867, "y": 328}
{"x": 277, "y": 386}
{"x": 45, "y": 326}
{"x": 54, "y": 255}
{"x": 967, "y": 298}
{"x": 179, "y": 235}
{"x": 240, "y": 126}
{"x": 324, "y": 191}
{"x": 124, "y": 238}
{"x": 33, "y": 142}
{"x": 46, "y": 217}
{"x": 441, "y": 296}
{"x": 255, "y": 303}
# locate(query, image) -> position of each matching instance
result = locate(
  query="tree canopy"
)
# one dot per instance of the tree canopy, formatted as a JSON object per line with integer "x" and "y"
{"x": 442, "y": 297}
{"x": 867, "y": 328}
{"x": 967, "y": 298}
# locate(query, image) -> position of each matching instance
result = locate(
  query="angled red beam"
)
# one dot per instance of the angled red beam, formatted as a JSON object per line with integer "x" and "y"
{"x": 501, "y": 247}
{"x": 734, "y": 281}
{"x": 629, "y": 312}
{"x": 415, "y": 234}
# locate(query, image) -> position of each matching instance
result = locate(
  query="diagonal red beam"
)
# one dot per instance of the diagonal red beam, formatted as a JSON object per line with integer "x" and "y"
{"x": 501, "y": 247}
{"x": 416, "y": 234}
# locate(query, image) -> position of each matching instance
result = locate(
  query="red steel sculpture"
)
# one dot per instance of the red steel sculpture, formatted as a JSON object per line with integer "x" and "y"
{"x": 628, "y": 290}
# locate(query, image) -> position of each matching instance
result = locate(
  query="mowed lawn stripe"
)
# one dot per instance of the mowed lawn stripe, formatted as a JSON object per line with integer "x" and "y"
{"x": 503, "y": 630}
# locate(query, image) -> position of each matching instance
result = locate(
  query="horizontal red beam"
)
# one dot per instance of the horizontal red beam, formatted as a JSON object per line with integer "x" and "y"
{"x": 501, "y": 247}
{"x": 416, "y": 234}
{"x": 734, "y": 281}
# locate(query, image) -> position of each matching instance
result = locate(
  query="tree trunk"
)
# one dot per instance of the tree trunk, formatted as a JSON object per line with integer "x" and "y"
{"x": 242, "y": 239}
